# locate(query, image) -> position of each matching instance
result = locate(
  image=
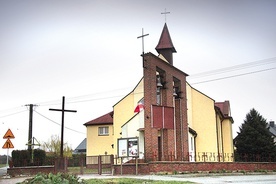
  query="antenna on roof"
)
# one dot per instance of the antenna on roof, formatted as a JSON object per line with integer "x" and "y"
{"x": 165, "y": 13}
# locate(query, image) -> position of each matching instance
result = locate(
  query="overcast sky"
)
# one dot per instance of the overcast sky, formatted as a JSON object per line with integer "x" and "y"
{"x": 88, "y": 51}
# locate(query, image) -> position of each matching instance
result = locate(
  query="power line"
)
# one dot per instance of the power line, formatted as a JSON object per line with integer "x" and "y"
{"x": 94, "y": 99}
{"x": 11, "y": 109}
{"x": 235, "y": 68}
{"x": 83, "y": 98}
{"x": 227, "y": 77}
{"x": 57, "y": 123}
{"x": 13, "y": 114}
{"x": 78, "y": 99}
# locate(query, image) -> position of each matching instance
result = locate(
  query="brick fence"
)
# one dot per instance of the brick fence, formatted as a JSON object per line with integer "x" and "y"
{"x": 30, "y": 170}
{"x": 192, "y": 167}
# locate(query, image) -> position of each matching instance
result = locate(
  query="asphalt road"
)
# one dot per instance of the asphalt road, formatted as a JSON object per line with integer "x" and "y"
{"x": 3, "y": 170}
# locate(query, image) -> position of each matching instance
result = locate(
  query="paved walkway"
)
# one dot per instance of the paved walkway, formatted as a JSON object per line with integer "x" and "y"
{"x": 203, "y": 178}
{"x": 238, "y": 178}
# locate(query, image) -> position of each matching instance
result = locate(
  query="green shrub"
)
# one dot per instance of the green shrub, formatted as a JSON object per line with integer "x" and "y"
{"x": 39, "y": 157}
{"x": 21, "y": 158}
{"x": 54, "y": 179}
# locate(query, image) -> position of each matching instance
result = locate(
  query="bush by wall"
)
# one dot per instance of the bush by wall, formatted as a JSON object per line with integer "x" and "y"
{"x": 21, "y": 158}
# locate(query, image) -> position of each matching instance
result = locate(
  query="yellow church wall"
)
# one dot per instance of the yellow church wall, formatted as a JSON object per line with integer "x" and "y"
{"x": 124, "y": 110}
{"x": 138, "y": 93}
{"x": 228, "y": 146}
{"x": 130, "y": 128}
{"x": 219, "y": 134}
{"x": 213, "y": 136}
{"x": 203, "y": 122}
{"x": 189, "y": 104}
{"x": 99, "y": 144}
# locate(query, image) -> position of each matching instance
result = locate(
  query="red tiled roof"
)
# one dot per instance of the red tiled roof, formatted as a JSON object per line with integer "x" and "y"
{"x": 102, "y": 120}
{"x": 224, "y": 107}
{"x": 165, "y": 41}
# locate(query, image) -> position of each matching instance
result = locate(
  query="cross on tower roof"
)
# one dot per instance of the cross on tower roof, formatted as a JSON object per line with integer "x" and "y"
{"x": 165, "y": 13}
{"x": 142, "y": 36}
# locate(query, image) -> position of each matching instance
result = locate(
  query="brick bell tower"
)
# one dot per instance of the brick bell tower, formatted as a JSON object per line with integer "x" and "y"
{"x": 165, "y": 106}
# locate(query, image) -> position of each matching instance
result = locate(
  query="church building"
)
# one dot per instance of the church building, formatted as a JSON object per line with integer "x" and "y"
{"x": 164, "y": 118}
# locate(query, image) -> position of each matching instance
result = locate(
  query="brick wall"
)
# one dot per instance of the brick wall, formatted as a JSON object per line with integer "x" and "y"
{"x": 170, "y": 75}
{"x": 31, "y": 170}
{"x": 178, "y": 167}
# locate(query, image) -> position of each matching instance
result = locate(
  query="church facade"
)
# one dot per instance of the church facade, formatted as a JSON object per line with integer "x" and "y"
{"x": 164, "y": 118}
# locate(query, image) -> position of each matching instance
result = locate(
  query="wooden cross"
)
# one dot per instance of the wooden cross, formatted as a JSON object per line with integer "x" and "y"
{"x": 165, "y": 13}
{"x": 62, "y": 123}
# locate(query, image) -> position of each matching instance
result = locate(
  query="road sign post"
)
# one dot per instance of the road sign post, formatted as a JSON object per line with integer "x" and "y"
{"x": 8, "y": 144}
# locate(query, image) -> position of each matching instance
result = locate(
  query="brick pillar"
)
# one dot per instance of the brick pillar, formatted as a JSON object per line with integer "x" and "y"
{"x": 179, "y": 146}
{"x": 165, "y": 145}
{"x": 151, "y": 134}
{"x": 184, "y": 120}
{"x": 171, "y": 144}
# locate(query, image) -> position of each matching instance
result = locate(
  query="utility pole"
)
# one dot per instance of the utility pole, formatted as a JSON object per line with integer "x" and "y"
{"x": 31, "y": 106}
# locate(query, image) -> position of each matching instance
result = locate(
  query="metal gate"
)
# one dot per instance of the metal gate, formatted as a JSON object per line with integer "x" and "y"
{"x": 102, "y": 164}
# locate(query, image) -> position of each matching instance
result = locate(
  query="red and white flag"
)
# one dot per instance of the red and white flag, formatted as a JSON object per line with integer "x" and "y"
{"x": 139, "y": 107}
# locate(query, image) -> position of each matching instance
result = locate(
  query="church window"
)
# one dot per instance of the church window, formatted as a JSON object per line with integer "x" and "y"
{"x": 158, "y": 90}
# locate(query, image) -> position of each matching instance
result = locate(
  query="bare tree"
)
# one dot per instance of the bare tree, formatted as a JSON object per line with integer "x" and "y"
{"x": 53, "y": 147}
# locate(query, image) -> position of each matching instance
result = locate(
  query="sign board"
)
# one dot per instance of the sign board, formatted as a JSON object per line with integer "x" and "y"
{"x": 8, "y": 135}
{"x": 128, "y": 147}
{"x": 122, "y": 147}
{"x": 8, "y": 144}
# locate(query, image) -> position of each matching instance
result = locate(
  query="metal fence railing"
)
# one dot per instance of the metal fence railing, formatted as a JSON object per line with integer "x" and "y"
{"x": 216, "y": 157}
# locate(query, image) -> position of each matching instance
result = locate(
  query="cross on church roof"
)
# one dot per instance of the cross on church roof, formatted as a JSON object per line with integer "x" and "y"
{"x": 165, "y": 13}
{"x": 142, "y": 36}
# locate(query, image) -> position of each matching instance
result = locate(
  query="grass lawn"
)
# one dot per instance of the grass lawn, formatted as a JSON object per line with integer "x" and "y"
{"x": 76, "y": 170}
{"x": 132, "y": 181}
{"x": 3, "y": 165}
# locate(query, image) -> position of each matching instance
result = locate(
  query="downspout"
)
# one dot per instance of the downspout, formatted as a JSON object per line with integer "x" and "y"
{"x": 222, "y": 140}
{"x": 175, "y": 153}
{"x": 162, "y": 136}
{"x": 181, "y": 128}
{"x": 195, "y": 146}
{"x": 217, "y": 135}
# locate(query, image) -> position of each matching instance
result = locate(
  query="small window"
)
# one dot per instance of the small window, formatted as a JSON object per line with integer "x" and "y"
{"x": 103, "y": 131}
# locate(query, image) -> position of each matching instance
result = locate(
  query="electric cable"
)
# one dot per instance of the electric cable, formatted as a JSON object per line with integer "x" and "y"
{"x": 83, "y": 98}
{"x": 57, "y": 123}
{"x": 227, "y": 77}
{"x": 12, "y": 114}
{"x": 234, "y": 68}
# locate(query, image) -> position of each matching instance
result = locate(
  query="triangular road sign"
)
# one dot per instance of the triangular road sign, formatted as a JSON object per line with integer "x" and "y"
{"x": 8, "y": 135}
{"x": 8, "y": 144}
